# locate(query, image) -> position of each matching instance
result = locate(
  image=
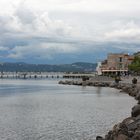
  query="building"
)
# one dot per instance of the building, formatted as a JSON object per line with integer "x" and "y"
{"x": 98, "y": 68}
{"x": 116, "y": 64}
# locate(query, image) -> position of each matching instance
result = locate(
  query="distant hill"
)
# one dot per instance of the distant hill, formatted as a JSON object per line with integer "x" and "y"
{"x": 23, "y": 67}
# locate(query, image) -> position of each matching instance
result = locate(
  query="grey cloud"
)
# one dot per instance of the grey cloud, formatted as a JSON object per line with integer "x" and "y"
{"x": 41, "y": 50}
{"x": 24, "y": 14}
{"x": 2, "y": 48}
{"x": 29, "y": 34}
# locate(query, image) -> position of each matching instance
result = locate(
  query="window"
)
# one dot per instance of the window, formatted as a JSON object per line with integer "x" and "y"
{"x": 120, "y": 59}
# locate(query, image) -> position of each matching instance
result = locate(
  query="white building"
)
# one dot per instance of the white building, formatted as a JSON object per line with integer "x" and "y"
{"x": 98, "y": 68}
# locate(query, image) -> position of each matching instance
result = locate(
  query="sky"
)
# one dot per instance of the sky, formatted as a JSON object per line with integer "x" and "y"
{"x": 67, "y": 31}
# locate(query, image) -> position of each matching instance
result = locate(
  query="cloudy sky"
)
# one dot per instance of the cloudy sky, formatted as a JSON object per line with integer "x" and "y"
{"x": 66, "y": 31}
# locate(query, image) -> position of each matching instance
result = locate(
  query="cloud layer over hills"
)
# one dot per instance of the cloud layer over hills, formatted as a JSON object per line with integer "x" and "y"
{"x": 62, "y": 31}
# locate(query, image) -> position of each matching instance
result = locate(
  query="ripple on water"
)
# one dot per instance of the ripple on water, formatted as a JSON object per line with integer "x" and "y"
{"x": 43, "y": 110}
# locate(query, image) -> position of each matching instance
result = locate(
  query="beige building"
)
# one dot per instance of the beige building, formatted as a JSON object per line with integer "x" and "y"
{"x": 116, "y": 64}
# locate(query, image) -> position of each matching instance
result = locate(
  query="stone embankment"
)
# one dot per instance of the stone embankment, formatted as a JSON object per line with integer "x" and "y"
{"x": 129, "y": 128}
{"x": 86, "y": 83}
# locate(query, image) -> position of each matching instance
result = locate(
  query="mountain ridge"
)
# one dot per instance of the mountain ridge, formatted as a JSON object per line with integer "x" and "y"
{"x": 21, "y": 67}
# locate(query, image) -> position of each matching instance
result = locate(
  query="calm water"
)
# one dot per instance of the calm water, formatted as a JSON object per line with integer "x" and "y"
{"x": 44, "y": 110}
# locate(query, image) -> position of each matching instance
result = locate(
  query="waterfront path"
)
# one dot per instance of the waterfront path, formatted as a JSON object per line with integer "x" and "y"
{"x": 129, "y": 79}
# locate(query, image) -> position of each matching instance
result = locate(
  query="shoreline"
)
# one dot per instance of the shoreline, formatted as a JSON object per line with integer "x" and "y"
{"x": 129, "y": 128}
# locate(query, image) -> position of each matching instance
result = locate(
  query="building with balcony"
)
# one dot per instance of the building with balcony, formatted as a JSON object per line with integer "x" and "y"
{"x": 116, "y": 64}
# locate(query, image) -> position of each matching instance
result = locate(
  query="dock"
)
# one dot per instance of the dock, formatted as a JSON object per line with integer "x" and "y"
{"x": 35, "y": 75}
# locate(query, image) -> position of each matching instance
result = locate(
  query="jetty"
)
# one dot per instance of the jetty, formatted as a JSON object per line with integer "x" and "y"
{"x": 29, "y": 75}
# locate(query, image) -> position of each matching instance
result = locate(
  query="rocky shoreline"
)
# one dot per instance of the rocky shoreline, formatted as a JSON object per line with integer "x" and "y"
{"x": 129, "y": 128}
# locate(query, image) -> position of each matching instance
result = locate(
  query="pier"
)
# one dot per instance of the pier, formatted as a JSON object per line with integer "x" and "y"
{"x": 30, "y": 75}
{"x": 35, "y": 75}
{"x": 78, "y": 75}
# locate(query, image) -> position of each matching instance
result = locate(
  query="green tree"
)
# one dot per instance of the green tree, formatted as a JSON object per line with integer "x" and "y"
{"x": 135, "y": 65}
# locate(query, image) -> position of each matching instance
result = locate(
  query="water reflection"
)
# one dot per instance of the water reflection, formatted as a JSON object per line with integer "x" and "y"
{"x": 41, "y": 109}
{"x": 98, "y": 91}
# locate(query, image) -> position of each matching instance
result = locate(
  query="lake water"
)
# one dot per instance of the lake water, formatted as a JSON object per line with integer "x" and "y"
{"x": 44, "y": 110}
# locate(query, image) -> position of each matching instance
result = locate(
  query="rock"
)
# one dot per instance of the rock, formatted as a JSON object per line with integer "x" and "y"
{"x": 116, "y": 128}
{"x": 138, "y": 96}
{"x": 121, "y": 137}
{"x": 113, "y": 85}
{"x": 61, "y": 82}
{"x": 125, "y": 88}
{"x": 123, "y": 129}
{"x": 138, "y": 101}
{"x": 137, "y": 118}
{"x": 119, "y": 87}
{"x": 131, "y": 134}
{"x": 135, "y": 111}
{"x": 136, "y": 135}
{"x": 109, "y": 136}
{"x": 128, "y": 121}
{"x": 132, "y": 126}
{"x": 132, "y": 91}
{"x": 99, "y": 138}
{"x": 135, "y": 92}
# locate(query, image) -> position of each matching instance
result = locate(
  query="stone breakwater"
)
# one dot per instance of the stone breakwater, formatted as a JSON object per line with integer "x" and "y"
{"x": 85, "y": 83}
{"x": 129, "y": 128}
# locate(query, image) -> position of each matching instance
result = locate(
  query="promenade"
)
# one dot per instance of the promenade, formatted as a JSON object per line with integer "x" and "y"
{"x": 128, "y": 79}
{"x": 124, "y": 79}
